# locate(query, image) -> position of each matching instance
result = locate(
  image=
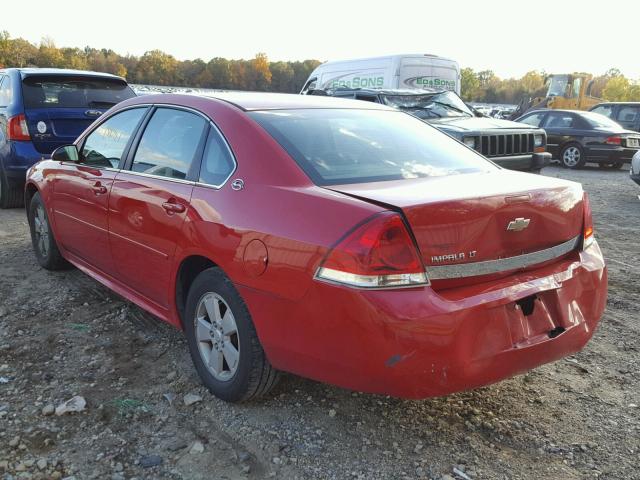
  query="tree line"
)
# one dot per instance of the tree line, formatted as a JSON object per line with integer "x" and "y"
{"x": 158, "y": 68}
{"x": 485, "y": 86}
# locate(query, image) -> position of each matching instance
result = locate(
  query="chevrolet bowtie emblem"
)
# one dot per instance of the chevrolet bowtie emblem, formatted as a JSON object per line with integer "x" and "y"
{"x": 518, "y": 224}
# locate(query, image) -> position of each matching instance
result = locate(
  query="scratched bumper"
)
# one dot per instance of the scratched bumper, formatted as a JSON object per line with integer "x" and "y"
{"x": 418, "y": 343}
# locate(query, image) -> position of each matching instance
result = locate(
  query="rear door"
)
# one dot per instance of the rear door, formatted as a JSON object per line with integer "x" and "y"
{"x": 81, "y": 190}
{"x": 150, "y": 200}
{"x": 58, "y": 108}
{"x": 560, "y": 128}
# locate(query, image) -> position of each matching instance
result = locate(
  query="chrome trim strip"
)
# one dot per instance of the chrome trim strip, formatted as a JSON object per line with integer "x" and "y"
{"x": 155, "y": 177}
{"x": 487, "y": 267}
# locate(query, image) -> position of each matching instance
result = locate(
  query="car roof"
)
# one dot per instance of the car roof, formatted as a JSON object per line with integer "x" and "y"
{"x": 389, "y": 91}
{"x": 250, "y": 101}
{"x": 616, "y": 103}
{"x": 32, "y": 71}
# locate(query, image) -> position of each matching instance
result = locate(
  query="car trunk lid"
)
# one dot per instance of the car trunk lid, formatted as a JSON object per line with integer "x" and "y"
{"x": 477, "y": 218}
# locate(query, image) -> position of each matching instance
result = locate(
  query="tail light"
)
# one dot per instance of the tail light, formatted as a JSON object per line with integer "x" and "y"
{"x": 377, "y": 254}
{"x": 588, "y": 222}
{"x": 17, "y": 128}
{"x": 615, "y": 140}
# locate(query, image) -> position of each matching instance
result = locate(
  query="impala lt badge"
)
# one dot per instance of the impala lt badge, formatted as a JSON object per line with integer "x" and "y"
{"x": 518, "y": 224}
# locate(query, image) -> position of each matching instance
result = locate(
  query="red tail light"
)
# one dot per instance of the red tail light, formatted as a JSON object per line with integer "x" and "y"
{"x": 615, "y": 140}
{"x": 588, "y": 222}
{"x": 17, "y": 128}
{"x": 377, "y": 254}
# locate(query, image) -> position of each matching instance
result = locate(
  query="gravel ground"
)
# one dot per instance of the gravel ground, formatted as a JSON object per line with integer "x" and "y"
{"x": 62, "y": 335}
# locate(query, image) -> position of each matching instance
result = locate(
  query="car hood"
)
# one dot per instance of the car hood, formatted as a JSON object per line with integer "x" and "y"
{"x": 464, "y": 124}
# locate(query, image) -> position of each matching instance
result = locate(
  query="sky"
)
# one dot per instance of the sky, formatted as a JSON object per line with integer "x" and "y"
{"x": 508, "y": 37}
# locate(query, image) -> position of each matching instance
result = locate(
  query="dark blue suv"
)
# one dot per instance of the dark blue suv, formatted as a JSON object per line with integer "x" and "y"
{"x": 42, "y": 109}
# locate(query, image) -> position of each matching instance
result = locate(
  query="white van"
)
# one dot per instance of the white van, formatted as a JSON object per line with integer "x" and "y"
{"x": 393, "y": 71}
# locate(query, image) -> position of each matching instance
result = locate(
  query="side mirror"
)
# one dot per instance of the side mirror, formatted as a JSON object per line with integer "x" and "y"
{"x": 68, "y": 153}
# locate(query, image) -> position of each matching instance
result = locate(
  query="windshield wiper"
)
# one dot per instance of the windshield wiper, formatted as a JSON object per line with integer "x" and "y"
{"x": 451, "y": 107}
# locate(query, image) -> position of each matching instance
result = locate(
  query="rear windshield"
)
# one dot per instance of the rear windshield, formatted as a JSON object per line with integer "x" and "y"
{"x": 335, "y": 146}
{"x": 73, "y": 92}
{"x": 598, "y": 120}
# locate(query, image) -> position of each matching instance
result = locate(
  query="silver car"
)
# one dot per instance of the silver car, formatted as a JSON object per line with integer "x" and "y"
{"x": 635, "y": 168}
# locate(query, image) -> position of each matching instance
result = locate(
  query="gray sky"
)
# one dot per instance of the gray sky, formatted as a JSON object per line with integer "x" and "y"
{"x": 508, "y": 37}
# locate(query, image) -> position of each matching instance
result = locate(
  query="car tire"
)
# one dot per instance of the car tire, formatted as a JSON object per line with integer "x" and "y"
{"x": 611, "y": 165}
{"x": 223, "y": 342}
{"x": 42, "y": 239}
{"x": 572, "y": 156}
{"x": 10, "y": 195}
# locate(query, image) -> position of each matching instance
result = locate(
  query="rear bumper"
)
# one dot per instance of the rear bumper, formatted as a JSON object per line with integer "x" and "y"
{"x": 636, "y": 178}
{"x": 534, "y": 161}
{"x": 613, "y": 154}
{"x": 19, "y": 158}
{"x": 418, "y": 343}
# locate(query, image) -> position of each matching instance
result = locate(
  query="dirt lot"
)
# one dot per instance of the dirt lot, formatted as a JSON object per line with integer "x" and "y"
{"x": 62, "y": 334}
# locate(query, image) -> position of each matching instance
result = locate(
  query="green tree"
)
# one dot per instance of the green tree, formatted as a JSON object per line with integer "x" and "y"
{"x": 616, "y": 89}
{"x": 469, "y": 84}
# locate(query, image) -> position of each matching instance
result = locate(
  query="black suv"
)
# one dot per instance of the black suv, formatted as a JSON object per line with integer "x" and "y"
{"x": 509, "y": 144}
{"x": 626, "y": 114}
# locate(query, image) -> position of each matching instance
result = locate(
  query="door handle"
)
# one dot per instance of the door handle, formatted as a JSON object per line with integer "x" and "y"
{"x": 173, "y": 207}
{"x": 99, "y": 189}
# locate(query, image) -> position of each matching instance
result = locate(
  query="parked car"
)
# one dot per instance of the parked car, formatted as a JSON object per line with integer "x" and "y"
{"x": 338, "y": 240}
{"x": 42, "y": 109}
{"x": 509, "y": 144}
{"x": 577, "y": 137}
{"x": 626, "y": 114}
{"x": 635, "y": 168}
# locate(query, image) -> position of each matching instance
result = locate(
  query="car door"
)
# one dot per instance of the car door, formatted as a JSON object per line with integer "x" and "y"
{"x": 81, "y": 190}
{"x": 150, "y": 200}
{"x": 560, "y": 129}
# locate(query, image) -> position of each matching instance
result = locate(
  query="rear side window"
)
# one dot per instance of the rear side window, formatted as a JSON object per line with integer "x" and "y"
{"x": 169, "y": 143}
{"x": 73, "y": 92}
{"x": 606, "y": 110}
{"x": 217, "y": 163}
{"x": 336, "y": 146}
{"x": 559, "y": 120}
{"x": 105, "y": 145}
{"x": 629, "y": 114}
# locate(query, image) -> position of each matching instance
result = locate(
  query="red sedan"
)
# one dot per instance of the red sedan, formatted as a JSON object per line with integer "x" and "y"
{"x": 334, "y": 239}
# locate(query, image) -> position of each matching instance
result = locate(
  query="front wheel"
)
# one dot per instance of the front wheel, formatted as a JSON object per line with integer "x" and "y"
{"x": 223, "y": 342}
{"x": 44, "y": 244}
{"x": 572, "y": 156}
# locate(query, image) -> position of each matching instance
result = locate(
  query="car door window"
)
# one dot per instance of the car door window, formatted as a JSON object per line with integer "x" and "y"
{"x": 559, "y": 120}
{"x": 628, "y": 115}
{"x": 169, "y": 143}
{"x": 105, "y": 146}
{"x": 218, "y": 163}
{"x": 534, "y": 119}
{"x": 606, "y": 110}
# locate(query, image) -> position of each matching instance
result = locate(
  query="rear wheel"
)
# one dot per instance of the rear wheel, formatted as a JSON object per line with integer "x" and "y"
{"x": 223, "y": 342}
{"x": 10, "y": 194}
{"x": 44, "y": 244}
{"x": 572, "y": 156}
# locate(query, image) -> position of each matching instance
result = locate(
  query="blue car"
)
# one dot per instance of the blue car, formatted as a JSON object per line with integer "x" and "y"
{"x": 42, "y": 109}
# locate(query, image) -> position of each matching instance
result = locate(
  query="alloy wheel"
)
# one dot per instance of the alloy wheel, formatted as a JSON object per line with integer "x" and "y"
{"x": 217, "y": 336}
{"x": 571, "y": 156}
{"x": 41, "y": 229}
